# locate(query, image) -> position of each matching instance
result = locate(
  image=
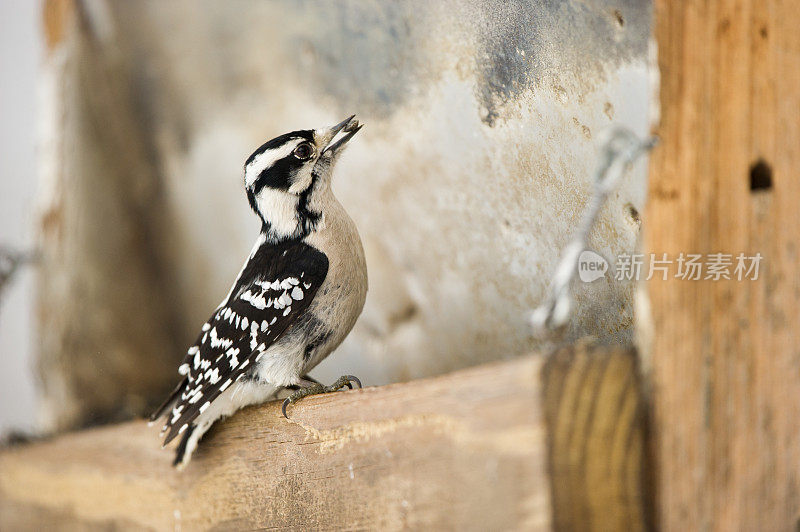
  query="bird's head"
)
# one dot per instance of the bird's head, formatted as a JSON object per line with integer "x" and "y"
{"x": 286, "y": 177}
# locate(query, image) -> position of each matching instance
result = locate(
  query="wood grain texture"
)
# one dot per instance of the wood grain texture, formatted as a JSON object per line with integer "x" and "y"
{"x": 726, "y": 354}
{"x": 598, "y": 441}
{"x": 464, "y": 451}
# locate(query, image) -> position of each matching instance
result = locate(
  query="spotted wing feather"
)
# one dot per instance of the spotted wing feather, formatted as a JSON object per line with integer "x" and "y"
{"x": 275, "y": 288}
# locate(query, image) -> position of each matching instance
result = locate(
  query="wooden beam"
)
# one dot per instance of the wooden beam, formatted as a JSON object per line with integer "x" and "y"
{"x": 598, "y": 442}
{"x": 726, "y": 178}
{"x": 465, "y": 451}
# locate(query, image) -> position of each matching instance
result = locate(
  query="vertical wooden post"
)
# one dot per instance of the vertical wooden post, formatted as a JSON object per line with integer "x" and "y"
{"x": 107, "y": 307}
{"x": 726, "y": 178}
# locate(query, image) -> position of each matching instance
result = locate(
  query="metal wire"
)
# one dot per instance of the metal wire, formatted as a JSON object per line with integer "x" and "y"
{"x": 621, "y": 149}
{"x": 10, "y": 263}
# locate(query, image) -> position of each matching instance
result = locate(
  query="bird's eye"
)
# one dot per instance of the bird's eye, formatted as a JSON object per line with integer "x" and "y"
{"x": 304, "y": 151}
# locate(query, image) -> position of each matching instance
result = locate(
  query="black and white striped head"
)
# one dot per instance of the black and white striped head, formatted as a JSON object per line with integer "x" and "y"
{"x": 283, "y": 175}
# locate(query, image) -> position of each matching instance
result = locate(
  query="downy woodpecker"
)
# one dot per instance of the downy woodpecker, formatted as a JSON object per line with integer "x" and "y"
{"x": 296, "y": 298}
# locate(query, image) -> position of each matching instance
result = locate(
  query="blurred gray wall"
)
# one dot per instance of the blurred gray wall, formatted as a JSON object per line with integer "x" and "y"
{"x": 20, "y": 49}
{"x": 483, "y": 125}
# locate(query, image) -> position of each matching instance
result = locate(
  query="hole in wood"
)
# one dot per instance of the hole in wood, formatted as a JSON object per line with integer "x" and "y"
{"x": 760, "y": 176}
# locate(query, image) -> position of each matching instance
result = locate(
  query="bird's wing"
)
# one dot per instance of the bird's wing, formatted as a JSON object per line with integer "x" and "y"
{"x": 275, "y": 288}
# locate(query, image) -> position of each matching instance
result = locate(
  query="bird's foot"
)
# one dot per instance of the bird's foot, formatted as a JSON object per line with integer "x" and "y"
{"x": 315, "y": 388}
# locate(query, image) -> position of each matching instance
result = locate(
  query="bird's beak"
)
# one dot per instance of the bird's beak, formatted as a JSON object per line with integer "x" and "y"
{"x": 349, "y": 127}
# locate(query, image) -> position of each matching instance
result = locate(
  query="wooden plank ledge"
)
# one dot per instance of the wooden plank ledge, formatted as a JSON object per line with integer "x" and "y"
{"x": 462, "y": 451}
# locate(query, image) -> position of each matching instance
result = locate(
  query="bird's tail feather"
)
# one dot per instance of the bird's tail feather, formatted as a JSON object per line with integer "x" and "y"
{"x": 180, "y": 459}
{"x": 166, "y": 404}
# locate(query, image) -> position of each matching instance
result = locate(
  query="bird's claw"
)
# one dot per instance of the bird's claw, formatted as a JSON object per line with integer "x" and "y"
{"x": 350, "y": 379}
{"x": 316, "y": 389}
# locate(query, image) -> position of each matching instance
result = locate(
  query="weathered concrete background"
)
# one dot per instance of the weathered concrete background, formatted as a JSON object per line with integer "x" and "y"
{"x": 482, "y": 130}
{"x": 483, "y": 121}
